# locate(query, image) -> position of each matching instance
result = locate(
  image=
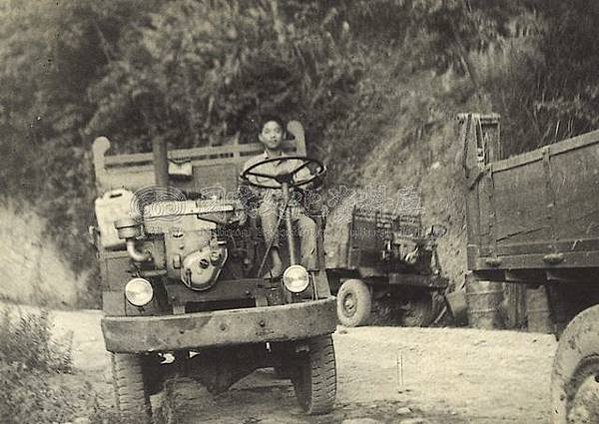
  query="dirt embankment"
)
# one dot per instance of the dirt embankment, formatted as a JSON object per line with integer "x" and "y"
{"x": 431, "y": 167}
{"x": 31, "y": 267}
{"x": 419, "y": 154}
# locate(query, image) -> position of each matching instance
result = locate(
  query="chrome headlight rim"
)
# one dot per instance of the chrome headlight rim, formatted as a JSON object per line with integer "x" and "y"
{"x": 294, "y": 274}
{"x": 139, "y": 292}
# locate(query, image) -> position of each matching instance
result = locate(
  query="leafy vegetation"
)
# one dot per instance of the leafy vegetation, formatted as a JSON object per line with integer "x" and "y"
{"x": 28, "y": 342}
{"x": 32, "y": 363}
{"x": 29, "y": 356}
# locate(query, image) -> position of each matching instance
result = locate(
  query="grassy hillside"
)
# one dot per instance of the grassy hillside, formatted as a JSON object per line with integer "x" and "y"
{"x": 416, "y": 144}
{"x": 416, "y": 150}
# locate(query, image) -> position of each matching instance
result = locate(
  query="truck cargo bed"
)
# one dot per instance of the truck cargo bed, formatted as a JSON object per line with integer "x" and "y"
{"x": 538, "y": 210}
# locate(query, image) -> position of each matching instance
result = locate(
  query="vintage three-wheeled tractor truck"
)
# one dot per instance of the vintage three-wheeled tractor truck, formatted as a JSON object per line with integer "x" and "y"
{"x": 387, "y": 255}
{"x": 183, "y": 274}
{"x": 534, "y": 219}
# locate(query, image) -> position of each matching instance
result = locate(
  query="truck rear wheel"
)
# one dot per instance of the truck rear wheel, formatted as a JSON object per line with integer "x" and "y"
{"x": 354, "y": 303}
{"x": 575, "y": 374}
{"x": 315, "y": 376}
{"x": 132, "y": 399}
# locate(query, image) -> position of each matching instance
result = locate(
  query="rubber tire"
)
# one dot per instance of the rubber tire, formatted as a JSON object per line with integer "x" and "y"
{"x": 152, "y": 373}
{"x": 363, "y": 302}
{"x": 315, "y": 377}
{"x": 578, "y": 344}
{"x": 423, "y": 311}
{"x": 132, "y": 399}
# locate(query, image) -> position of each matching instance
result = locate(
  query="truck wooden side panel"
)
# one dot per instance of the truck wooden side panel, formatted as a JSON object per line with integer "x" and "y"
{"x": 211, "y": 165}
{"x": 537, "y": 210}
{"x": 520, "y": 203}
{"x": 575, "y": 178}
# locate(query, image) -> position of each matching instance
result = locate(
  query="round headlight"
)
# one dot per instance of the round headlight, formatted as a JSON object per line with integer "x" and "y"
{"x": 139, "y": 292}
{"x": 296, "y": 278}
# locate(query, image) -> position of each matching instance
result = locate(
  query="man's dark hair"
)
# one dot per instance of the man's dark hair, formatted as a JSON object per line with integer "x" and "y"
{"x": 264, "y": 119}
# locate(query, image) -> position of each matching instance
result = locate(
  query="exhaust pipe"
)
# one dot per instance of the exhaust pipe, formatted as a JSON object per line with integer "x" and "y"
{"x": 129, "y": 229}
{"x": 160, "y": 162}
{"x": 135, "y": 254}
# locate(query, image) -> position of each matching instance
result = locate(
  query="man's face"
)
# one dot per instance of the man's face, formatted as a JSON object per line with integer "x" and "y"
{"x": 271, "y": 135}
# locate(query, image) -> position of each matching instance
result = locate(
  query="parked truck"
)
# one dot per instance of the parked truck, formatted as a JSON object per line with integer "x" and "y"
{"x": 534, "y": 219}
{"x": 182, "y": 265}
{"x": 387, "y": 255}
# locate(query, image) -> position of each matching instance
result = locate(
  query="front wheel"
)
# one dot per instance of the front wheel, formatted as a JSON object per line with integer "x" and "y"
{"x": 354, "y": 303}
{"x": 315, "y": 376}
{"x": 575, "y": 374}
{"x": 132, "y": 399}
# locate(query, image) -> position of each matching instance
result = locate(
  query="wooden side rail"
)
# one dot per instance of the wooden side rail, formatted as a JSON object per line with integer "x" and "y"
{"x": 211, "y": 163}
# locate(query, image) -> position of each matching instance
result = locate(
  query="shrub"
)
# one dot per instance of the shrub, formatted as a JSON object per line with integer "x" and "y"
{"x": 29, "y": 356}
{"x": 28, "y": 343}
{"x": 27, "y": 397}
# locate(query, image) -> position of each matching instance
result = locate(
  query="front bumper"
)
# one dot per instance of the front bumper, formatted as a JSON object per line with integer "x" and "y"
{"x": 220, "y": 328}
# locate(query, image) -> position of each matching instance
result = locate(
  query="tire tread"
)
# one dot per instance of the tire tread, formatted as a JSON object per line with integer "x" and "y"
{"x": 317, "y": 395}
{"x": 363, "y": 303}
{"x": 132, "y": 400}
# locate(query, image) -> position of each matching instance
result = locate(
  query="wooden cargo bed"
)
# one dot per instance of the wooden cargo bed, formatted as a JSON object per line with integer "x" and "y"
{"x": 538, "y": 210}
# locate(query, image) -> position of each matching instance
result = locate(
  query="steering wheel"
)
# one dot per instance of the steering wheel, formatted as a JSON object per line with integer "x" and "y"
{"x": 287, "y": 174}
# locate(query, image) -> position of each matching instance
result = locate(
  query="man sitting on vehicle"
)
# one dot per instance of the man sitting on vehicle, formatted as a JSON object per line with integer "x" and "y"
{"x": 271, "y": 135}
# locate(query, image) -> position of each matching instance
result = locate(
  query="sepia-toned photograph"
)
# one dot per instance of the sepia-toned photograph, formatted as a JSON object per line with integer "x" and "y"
{"x": 299, "y": 212}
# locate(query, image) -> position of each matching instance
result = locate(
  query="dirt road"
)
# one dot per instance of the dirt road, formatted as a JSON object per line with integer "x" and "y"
{"x": 386, "y": 375}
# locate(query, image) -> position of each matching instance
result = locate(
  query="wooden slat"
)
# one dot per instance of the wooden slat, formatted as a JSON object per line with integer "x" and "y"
{"x": 575, "y": 178}
{"x": 586, "y": 259}
{"x": 575, "y": 142}
{"x": 133, "y": 171}
{"x": 521, "y": 205}
{"x": 516, "y": 161}
{"x": 195, "y": 154}
{"x": 561, "y": 147}
{"x": 563, "y": 246}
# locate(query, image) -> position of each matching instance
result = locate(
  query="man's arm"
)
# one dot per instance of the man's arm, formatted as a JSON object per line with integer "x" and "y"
{"x": 304, "y": 174}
